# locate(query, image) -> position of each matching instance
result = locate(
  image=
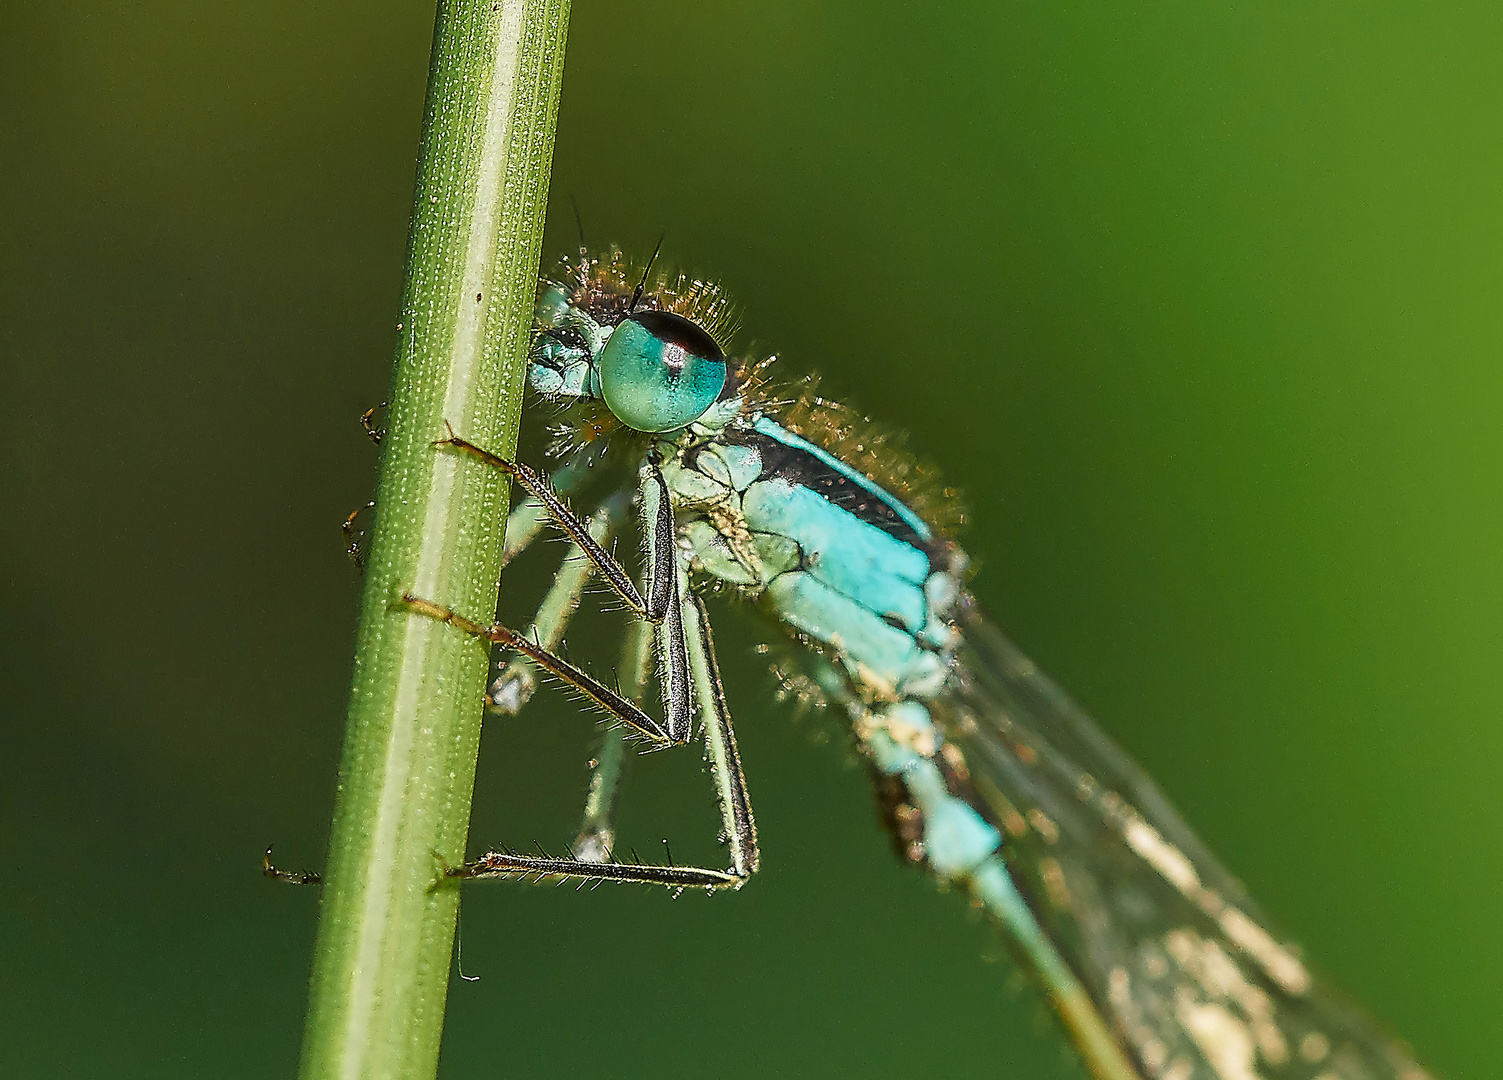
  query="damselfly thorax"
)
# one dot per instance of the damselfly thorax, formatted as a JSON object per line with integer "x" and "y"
{"x": 993, "y": 780}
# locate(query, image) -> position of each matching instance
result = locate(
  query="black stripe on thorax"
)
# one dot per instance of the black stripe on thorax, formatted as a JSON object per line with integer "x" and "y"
{"x": 780, "y": 461}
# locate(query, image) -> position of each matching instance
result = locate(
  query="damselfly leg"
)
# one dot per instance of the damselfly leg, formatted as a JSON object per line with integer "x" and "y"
{"x": 688, "y": 674}
{"x": 538, "y": 487}
{"x": 514, "y": 685}
{"x": 729, "y": 779}
{"x": 720, "y": 743}
{"x": 290, "y": 877}
{"x": 528, "y": 517}
{"x": 660, "y": 605}
{"x": 515, "y": 681}
{"x": 607, "y": 699}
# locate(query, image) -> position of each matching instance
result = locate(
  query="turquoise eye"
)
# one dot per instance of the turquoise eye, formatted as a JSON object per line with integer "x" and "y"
{"x": 659, "y": 371}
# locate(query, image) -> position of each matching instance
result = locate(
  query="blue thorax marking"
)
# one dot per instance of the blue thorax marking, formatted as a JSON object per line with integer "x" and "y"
{"x": 882, "y": 574}
{"x": 862, "y": 563}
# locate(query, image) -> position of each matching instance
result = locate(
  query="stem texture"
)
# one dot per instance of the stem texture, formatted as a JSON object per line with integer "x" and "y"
{"x": 381, "y": 964}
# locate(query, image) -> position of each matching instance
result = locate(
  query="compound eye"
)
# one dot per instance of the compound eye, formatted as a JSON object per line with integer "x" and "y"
{"x": 659, "y": 371}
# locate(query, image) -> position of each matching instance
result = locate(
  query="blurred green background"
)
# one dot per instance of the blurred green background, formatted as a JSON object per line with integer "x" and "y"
{"x": 1198, "y": 303}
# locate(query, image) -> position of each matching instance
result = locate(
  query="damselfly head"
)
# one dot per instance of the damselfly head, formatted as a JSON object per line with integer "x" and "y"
{"x": 654, "y": 351}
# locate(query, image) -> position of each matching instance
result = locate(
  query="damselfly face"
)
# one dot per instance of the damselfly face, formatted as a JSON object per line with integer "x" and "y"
{"x": 658, "y": 365}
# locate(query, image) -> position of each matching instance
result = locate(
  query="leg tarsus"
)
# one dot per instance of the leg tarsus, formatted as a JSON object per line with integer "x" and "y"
{"x": 291, "y": 877}
{"x": 353, "y": 542}
{"x": 368, "y": 423}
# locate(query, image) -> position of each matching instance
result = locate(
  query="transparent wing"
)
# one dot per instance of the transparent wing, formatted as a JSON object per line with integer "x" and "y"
{"x": 1172, "y": 950}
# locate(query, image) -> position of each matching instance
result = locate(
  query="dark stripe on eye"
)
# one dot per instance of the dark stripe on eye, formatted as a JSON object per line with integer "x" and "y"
{"x": 677, "y": 330}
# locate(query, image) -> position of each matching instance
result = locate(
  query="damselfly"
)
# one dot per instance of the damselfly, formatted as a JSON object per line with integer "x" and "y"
{"x": 1155, "y": 959}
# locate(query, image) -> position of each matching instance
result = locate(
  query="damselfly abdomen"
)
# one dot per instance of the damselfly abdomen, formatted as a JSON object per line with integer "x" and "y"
{"x": 992, "y": 779}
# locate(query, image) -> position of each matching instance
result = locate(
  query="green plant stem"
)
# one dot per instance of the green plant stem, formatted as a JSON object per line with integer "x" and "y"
{"x": 386, "y": 926}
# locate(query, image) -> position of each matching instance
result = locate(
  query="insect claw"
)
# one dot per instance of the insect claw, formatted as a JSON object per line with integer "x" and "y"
{"x": 291, "y": 877}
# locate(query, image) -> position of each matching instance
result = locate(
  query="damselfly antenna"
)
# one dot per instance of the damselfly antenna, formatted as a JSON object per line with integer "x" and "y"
{"x": 584, "y": 255}
{"x": 578, "y": 223}
{"x": 637, "y": 295}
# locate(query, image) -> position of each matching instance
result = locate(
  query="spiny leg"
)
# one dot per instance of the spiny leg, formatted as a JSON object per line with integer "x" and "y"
{"x": 528, "y": 517}
{"x": 730, "y": 786}
{"x": 512, "y": 688}
{"x": 660, "y": 532}
{"x": 369, "y": 424}
{"x": 508, "y": 864}
{"x": 664, "y": 607}
{"x": 666, "y": 584}
{"x": 354, "y": 543}
{"x": 661, "y": 605}
{"x": 596, "y": 691}
{"x": 720, "y": 744}
{"x": 290, "y": 877}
